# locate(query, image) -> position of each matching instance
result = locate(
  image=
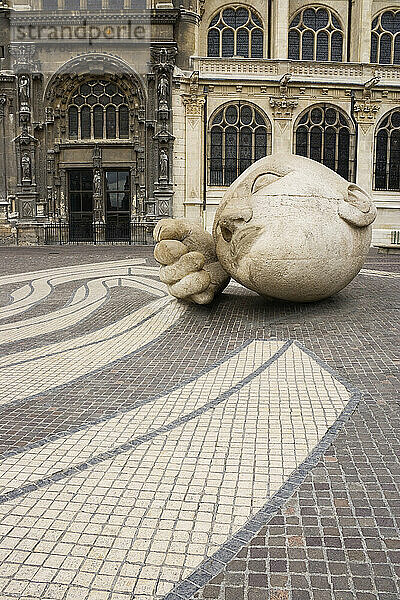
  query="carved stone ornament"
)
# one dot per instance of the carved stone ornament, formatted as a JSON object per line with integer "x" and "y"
{"x": 97, "y": 184}
{"x": 23, "y": 57}
{"x": 163, "y": 59}
{"x": 163, "y": 164}
{"x": 163, "y": 92}
{"x": 49, "y": 112}
{"x": 194, "y": 83}
{"x": 3, "y": 101}
{"x": 163, "y": 208}
{"x": 24, "y": 89}
{"x": 26, "y": 168}
{"x": 194, "y": 105}
{"x": 50, "y": 161}
{"x": 164, "y": 136}
{"x": 282, "y": 107}
{"x": 365, "y": 111}
{"x": 27, "y": 209}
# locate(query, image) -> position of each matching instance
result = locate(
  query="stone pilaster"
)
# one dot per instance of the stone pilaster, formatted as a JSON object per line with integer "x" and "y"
{"x": 194, "y": 106}
{"x": 279, "y": 30}
{"x": 282, "y": 112}
{"x": 365, "y": 111}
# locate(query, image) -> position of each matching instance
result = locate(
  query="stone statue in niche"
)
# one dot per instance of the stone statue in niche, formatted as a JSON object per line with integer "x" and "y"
{"x": 163, "y": 92}
{"x": 287, "y": 228}
{"x": 24, "y": 91}
{"x": 26, "y": 167}
{"x": 97, "y": 183}
{"x": 163, "y": 164}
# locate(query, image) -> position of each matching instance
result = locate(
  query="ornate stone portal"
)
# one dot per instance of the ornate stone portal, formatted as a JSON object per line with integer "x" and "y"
{"x": 288, "y": 228}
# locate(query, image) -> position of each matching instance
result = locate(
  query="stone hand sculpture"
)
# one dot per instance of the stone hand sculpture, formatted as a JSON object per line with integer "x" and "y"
{"x": 288, "y": 228}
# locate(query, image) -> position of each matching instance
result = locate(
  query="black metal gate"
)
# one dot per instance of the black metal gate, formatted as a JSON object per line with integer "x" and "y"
{"x": 82, "y": 232}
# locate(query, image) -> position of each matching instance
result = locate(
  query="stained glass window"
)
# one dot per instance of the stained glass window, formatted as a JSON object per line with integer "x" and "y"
{"x": 239, "y": 135}
{"x": 387, "y": 153}
{"x": 385, "y": 38}
{"x": 315, "y": 34}
{"x": 325, "y": 135}
{"x": 98, "y": 109}
{"x": 235, "y": 32}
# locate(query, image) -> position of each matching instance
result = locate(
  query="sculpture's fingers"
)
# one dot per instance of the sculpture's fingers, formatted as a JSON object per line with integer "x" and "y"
{"x": 194, "y": 283}
{"x": 205, "y": 297}
{"x": 193, "y": 236}
{"x": 169, "y": 251}
{"x": 219, "y": 279}
{"x": 188, "y": 263}
{"x": 171, "y": 229}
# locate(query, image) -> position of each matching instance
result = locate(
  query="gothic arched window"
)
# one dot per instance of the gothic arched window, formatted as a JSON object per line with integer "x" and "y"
{"x": 315, "y": 34}
{"x": 235, "y": 31}
{"x": 324, "y": 134}
{"x": 387, "y": 153}
{"x": 239, "y": 135}
{"x": 98, "y": 110}
{"x": 385, "y": 38}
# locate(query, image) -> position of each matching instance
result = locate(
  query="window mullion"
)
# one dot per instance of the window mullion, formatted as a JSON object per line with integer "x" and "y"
{"x": 388, "y": 151}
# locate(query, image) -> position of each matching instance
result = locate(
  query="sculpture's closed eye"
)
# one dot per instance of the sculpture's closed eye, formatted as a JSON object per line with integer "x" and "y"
{"x": 264, "y": 180}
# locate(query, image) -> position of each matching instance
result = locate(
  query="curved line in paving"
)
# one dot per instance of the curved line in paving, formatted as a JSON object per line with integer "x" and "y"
{"x": 375, "y": 273}
{"x": 25, "y": 297}
{"x": 87, "y": 298}
{"x": 37, "y": 290}
{"x": 231, "y": 373}
{"x": 236, "y": 439}
{"x": 44, "y": 368}
{"x": 119, "y": 412}
{"x": 85, "y": 268}
{"x": 215, "y": 564}
{"x": 131, "y": 444}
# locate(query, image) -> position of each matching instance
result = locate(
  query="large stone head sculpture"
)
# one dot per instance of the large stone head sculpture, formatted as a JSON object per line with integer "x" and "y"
{"x": 288, "y": 228}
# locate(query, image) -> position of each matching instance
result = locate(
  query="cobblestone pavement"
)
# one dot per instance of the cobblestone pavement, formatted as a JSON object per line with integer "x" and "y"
{"x": 152, "y": 450}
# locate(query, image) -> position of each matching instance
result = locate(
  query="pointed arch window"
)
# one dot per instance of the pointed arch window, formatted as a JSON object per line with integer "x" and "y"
{"x": 98, "y": 110}
{"x": 239, "y": 135}
{"x": 315, "y": 34}
{"x": 324, "y": 134}
{"x": 387, "y": 153}
{"x": 236, "y": 31}
{"x": 385, "y": 38}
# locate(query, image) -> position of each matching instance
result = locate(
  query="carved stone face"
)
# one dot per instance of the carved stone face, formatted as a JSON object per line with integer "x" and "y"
{"x": 293, "y": 229}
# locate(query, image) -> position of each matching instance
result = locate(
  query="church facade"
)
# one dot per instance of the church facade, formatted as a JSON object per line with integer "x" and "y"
{"x": 116, "y": 113}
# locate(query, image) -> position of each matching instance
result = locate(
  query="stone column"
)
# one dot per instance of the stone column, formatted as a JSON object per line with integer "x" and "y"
{"x": 360, "y": 49}
{"x": 3, "y": 154}
{"x": 282, "y": 112}
{"x": 193, "y": 201}
{"x": 279, "y": 29}
{"x": 365, "y": 112}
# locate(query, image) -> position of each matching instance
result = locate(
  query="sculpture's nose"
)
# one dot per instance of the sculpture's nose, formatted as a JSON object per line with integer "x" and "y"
{"x": 233, "y": 219}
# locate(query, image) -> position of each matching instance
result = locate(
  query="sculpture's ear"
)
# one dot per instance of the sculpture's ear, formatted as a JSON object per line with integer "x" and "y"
{"x": 358, "y": 208}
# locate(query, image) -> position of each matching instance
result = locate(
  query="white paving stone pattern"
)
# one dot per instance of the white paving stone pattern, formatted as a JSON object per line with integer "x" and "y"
{"x": 130, "y": 506}
{"x": 31, "y": 372}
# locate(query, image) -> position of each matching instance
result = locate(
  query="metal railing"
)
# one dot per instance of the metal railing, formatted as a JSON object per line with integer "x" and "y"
{"x": 77, "y": 232}
{"x": 395, "y": 237}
